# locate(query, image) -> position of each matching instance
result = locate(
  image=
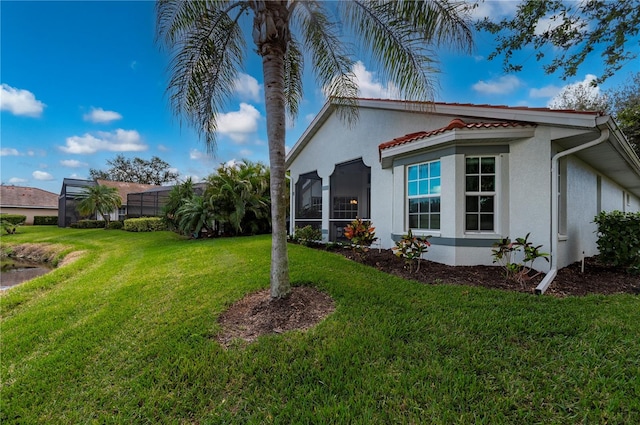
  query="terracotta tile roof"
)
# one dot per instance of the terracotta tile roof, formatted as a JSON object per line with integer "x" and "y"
{"x": 19, "y": 196}
{"x": 455, "y": 123}
{"x": 125, "y": 188}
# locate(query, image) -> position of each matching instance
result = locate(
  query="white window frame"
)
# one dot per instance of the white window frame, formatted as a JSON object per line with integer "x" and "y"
{"x": 420, "y": 196}
{"x": 495, "y": 193}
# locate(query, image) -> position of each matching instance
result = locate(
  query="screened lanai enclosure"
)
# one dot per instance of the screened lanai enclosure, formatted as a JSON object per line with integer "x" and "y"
{"x": 151, "y": 202}
{"x": 147, "y": 204}
{"x": 349, "y": 197}
{"x": 70, "y": 194}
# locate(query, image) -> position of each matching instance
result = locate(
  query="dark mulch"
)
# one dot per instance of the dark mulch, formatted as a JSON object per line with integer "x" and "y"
{"x": 597, "y": 278}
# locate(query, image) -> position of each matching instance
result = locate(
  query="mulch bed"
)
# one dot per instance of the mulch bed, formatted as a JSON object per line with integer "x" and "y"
{"x": 597, "y": 278}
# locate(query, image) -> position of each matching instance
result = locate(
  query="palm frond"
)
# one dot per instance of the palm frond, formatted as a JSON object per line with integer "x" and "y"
{"x": 293, "y": 66}
{"x": 402, "y": 36}
{"x": 208, "y": 49}
{"x": 332, "y": 63}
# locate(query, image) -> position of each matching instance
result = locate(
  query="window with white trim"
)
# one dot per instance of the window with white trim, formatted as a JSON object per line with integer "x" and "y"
{"x": 423, "y": 193}
{"x": 480, "y": 193}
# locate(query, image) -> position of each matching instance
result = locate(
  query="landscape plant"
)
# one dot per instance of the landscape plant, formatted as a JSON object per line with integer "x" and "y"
{"x": 99, "y": 199}
{"x": 411, "y": 248}
{"x": 507, "y": 252}
{"x": 196, "y": 217}
{"x": 361, "y": 234}
{"x": 619, "y": 239}
{"x": 45, "y": 220}
{"x": 144, "y": 224}
{"x": 9, "y": 227}
{"x": 307, "y": 235}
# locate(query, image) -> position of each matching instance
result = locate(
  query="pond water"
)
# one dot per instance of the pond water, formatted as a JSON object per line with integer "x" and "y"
{"x": 14, "y": 272}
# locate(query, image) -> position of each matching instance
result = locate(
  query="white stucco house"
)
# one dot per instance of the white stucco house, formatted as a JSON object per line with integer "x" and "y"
{"x": 466, "y": 174}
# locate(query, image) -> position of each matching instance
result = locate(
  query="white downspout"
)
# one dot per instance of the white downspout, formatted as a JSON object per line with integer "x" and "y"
{"x": 553, "y": 271}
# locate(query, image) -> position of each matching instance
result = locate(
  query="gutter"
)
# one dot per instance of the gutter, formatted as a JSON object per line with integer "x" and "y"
{"x": 551, "y": 274}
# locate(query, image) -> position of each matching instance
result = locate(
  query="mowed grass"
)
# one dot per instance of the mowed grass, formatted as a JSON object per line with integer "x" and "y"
{"x": 126, "y": 334}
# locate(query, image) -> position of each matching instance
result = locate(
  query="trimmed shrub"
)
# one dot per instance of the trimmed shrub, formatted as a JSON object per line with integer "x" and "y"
{"x": 144, "y": 224}
{"x": 13, "y": 218}
{"x": 619, "y": 239}
{"x": 116, "y": 225}
{"x": 307, "y": 235}
{"x": 45, "y": 220}
{"x": 90, "y": 224}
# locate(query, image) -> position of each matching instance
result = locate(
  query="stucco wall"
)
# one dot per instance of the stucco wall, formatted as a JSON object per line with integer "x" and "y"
{"x": 523, "y": 187}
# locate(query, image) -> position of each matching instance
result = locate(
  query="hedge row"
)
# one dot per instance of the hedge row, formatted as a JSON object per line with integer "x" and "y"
{"x": 88, "y": 224}
{"x": 13, "y": 218}
{"x": 144, "y": 224}
{"x": 45, "y": 220}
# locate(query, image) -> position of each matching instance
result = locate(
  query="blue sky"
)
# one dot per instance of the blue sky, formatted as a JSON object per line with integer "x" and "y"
{"x": 84, "y": 81}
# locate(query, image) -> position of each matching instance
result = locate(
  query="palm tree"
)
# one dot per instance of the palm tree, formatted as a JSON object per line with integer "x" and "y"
{"x": 99, "y": 199}
{"x": 194, "y": 215}
{"x": 240, "y": 194}
{"x": 208, "y": 45}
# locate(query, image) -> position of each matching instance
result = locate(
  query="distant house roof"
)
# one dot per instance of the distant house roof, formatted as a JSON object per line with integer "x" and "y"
{"x": 125, "y": 188}
{"x": 29, "y": 197}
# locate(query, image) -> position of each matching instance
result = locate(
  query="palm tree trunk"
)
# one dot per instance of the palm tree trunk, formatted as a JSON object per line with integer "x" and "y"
{"x": 271, "y": 34}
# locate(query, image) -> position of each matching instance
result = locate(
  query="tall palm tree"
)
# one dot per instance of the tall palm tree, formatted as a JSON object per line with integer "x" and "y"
{"x": 99, "y": 199}
{"x": 207, "y": 44}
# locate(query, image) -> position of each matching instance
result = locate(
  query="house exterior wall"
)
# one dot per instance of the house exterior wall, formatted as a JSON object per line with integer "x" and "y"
{"x": 523, "y": 184}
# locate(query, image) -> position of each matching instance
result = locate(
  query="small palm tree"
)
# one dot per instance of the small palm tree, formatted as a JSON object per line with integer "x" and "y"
{"x": 240, "y": 194}
{"x": 208, "y": 48}
{"x": 195, "y": 215}
{"x": 99, "y": 199}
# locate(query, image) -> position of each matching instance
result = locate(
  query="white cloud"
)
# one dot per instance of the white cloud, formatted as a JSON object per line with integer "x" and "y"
{"x": 75, "y": 176}
{"x": 492, "y": 9}
{"x": 9, "y": 152}
{"x": 16, "y": 180}
{"x": 238, "y": 125}
{"x": 503, "y": 85}
{"x": 20, "y": 102}
{"x": 248, "y": 88}
{"x": 114, "y": 141}
{"x": 99, "y": 115}
{"x": 245, "y": 152}
{"x": 163, "y": 148}
{"x": 196, "y": 154}
{"x": 546, "y": 91}
{"x": 42, "y": 175}
{"x": 73, "y": 163}
{"x": 370, "y": 87}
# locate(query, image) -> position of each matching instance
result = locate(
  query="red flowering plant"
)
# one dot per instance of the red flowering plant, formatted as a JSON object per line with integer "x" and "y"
{"x": 411, "y": 248}
{"x": 361, "y": 235}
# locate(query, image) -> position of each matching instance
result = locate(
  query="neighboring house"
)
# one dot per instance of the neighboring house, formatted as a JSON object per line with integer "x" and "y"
{"x": 27, "y": 201}
{"x": 72, "y": 189}
{"x": 465, "y": 174}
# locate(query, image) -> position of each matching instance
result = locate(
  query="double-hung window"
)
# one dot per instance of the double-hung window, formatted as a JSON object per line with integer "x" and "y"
{"x": 480, "y": 193}
{"x": 423, "y": 192}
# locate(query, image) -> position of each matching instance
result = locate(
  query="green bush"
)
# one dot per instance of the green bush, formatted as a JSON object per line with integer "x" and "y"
{"x": 619, "y": 239}
{"x": 13, "y": 218}
{"x": 144, "y": 224}
{"x": 116, "y": 225}
{"x": 45, "y": 220}
{"x": 307, "y": 235}
{"x": 89, "y": 224}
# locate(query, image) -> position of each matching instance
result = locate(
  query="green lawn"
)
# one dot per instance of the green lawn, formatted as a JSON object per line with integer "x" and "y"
{"x": 126, "y": 335}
